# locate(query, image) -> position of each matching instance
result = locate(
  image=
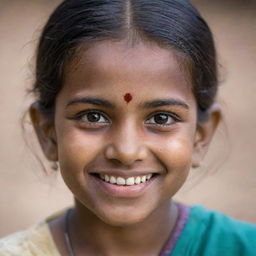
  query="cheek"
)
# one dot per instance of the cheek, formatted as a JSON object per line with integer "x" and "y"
{"x": 176, "y": 154}
{"x": 175, "y": 157}
{"x": 77, "y": 149}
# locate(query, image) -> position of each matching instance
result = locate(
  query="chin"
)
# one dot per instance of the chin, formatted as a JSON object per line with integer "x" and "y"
{"x": 119, "y": 212}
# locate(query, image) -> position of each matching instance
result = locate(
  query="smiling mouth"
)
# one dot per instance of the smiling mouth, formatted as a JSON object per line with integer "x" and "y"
{"x": 128, "y": 181}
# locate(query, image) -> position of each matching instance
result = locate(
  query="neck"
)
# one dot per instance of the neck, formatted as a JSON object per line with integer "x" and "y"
{"x": 90, "y": 234}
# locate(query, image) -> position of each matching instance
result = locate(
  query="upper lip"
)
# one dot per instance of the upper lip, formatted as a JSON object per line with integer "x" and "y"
{"x": 125, "y": 174}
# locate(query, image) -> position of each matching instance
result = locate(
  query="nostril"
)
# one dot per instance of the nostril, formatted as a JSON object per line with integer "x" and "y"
{"x": 126, "y": 150}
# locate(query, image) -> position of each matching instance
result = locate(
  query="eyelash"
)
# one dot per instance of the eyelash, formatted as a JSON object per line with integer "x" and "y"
{"x": 173, "y": 116}
{"x": 80, "y": 115}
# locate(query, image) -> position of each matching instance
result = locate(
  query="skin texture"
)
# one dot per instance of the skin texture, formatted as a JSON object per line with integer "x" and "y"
{"x": 126, "y": 140}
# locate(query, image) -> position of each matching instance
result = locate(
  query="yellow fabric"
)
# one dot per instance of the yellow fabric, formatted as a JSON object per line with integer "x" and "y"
{"x": 36, "y": 241}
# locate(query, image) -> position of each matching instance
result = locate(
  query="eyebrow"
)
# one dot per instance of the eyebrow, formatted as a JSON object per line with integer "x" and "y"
{"x": 108, "y": 104}
{"x": 92, "y": 101}
{"x": 165, "y": 102}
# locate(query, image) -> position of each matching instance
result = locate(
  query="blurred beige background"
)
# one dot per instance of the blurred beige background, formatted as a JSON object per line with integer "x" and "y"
{"x": 226, "y": 181}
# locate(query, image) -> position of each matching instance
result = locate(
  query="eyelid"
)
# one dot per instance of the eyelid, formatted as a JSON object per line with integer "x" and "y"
{"x": 80, "y": 114}
{"x": 172, "y": 115}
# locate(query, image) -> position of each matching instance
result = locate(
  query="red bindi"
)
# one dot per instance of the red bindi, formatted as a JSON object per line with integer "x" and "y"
{"x": 127, "y": 97}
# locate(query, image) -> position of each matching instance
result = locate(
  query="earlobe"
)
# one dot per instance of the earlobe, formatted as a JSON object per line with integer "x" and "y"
{"x": 45, "y": 130}
{"x": 204, "y": 134}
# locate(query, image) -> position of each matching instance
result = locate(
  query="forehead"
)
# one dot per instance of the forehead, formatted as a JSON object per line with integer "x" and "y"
{"x": 122, "y": 67}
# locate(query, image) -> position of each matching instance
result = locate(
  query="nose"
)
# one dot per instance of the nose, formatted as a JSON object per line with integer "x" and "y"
{"x": 126, "y": 147}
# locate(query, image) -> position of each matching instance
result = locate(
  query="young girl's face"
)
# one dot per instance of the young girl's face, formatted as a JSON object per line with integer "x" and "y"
{"x": 126, "y": 112}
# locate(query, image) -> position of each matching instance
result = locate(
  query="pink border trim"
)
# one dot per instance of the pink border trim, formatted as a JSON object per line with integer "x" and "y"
{"x": 183, "y": 212}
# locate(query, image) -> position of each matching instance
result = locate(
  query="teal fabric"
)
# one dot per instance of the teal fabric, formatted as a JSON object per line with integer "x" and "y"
{"x": 209, "y": 233}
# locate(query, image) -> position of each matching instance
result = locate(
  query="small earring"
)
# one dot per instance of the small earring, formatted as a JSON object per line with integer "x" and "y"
{"x": 197, "y": 165}
{"x": 54, "y": 166}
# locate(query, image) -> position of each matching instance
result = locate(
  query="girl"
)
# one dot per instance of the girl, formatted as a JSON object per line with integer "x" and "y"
{"x": 125, "y": 103}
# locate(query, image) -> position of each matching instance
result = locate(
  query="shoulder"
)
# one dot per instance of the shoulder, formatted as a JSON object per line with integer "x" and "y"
{"x": 220, "y": 224}
{"x": 36, "y": 241}
{"x": 211, "y": 233}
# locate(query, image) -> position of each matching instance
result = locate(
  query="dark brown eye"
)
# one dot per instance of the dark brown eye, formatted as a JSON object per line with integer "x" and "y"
{"x": 161, "y": 118}
{"x": 93, "y": 117}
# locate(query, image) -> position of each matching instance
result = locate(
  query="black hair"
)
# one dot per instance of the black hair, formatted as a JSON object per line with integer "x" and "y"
{"x": 175, "y": 23}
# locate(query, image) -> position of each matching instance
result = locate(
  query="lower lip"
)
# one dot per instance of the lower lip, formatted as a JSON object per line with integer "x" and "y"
{"x": 123, "y": 191}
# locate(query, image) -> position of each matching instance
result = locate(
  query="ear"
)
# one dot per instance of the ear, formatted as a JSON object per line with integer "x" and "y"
{"x": 45, "y": 130}
{"x": 204, "y": 133}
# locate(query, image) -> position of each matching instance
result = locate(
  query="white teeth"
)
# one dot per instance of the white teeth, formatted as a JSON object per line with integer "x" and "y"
{"x": 112, "y": 180}
{"x": 130, "y": 181}
{"x": 143, "y": 179}
{"x": 149, "y": 176}
{"x": 120, "y": 181}
{"x": 137, "y": 180}
{"x": 106, "y": 178}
